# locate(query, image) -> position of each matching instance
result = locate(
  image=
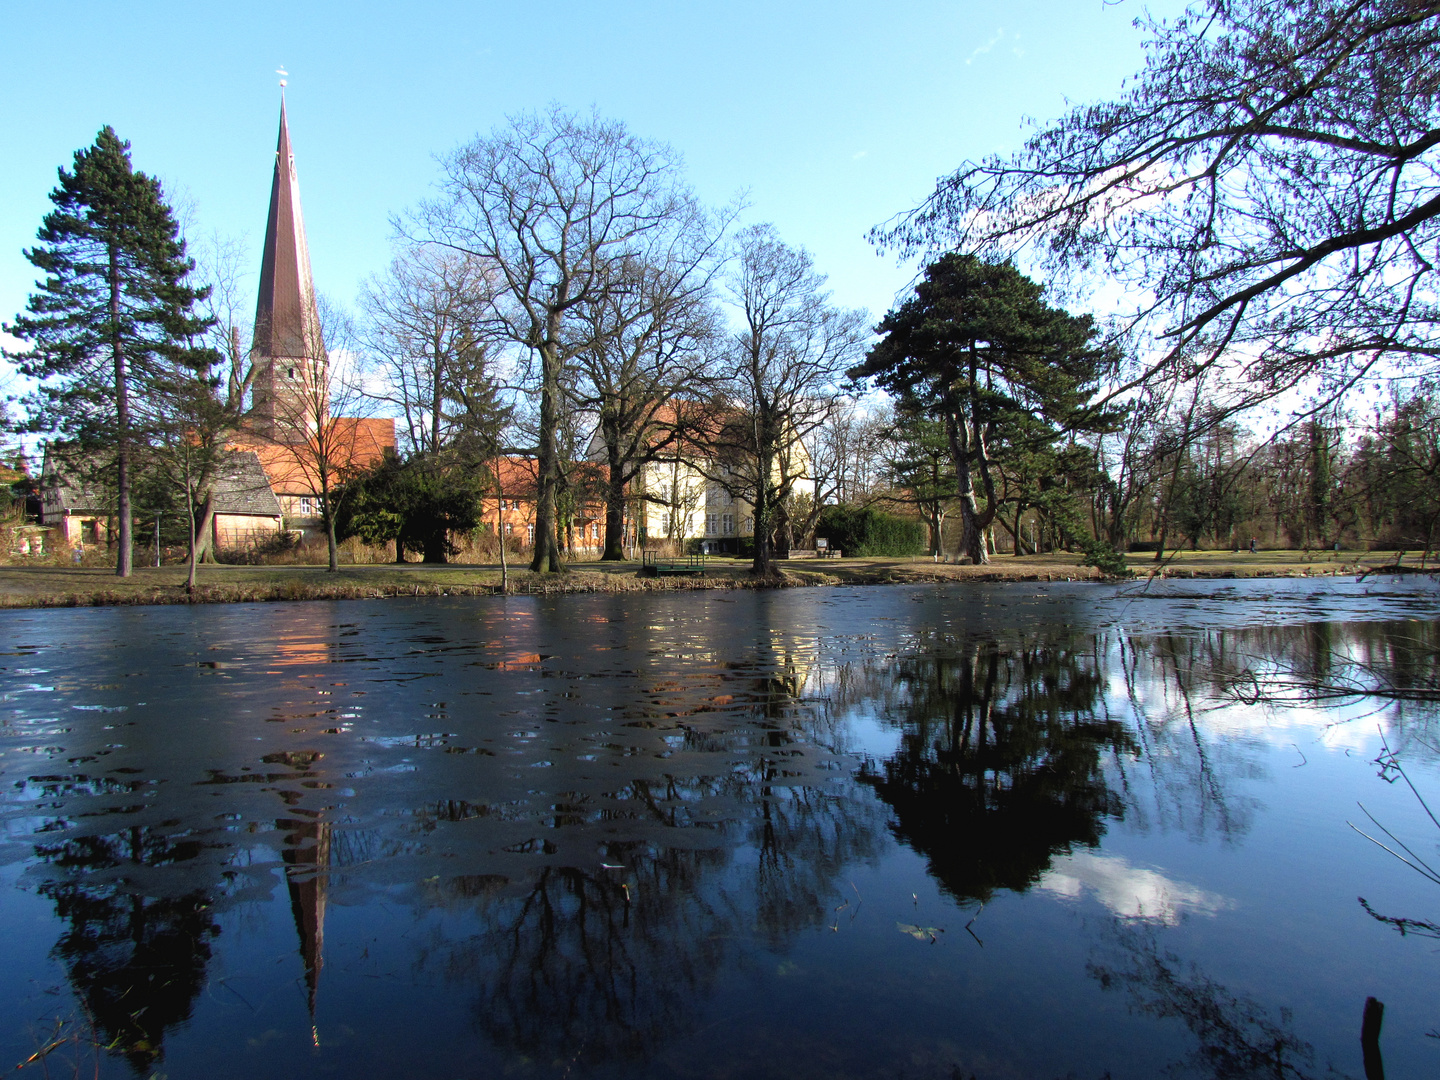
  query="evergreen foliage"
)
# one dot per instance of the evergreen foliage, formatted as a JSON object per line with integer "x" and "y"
{"x": 919, "y": 469}
{"x": 978, "y": 350}
{"x": 862, "y": 530}
{"x": 112, "y": 321}
{"x": 415, "y": 504}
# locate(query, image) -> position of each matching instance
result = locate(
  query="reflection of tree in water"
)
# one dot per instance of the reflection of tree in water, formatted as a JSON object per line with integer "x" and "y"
{"x": 1395, "y": 665}
{"x": 1000, "y": 763}
{"x": 140, "y": 907}
{"x": 604, "y": 965}
{"x": 1170, "y": 685}
{"x": 137, "y": 962}
{"x": 1237, "y": 1037}
{"x": 593, "y": 966}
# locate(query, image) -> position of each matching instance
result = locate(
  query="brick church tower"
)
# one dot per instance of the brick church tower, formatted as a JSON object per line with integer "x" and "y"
{"x": 303, "y": 449}
{"x": 289, "y": 395}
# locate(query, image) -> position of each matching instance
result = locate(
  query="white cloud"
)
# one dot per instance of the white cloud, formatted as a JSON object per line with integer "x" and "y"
{"x": 11, "y": 343}
{"x": 859, "y": 154}
{"x": 1131, "y": 892}
{"x": 983, "y": 49}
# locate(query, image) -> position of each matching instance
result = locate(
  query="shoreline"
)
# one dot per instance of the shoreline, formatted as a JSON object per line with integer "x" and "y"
{"x": 28, "y": 587}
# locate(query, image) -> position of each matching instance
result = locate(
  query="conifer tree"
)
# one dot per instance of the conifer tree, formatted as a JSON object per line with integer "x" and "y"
{"x": 979, "y": 350}
{"x": 112, "y": 318}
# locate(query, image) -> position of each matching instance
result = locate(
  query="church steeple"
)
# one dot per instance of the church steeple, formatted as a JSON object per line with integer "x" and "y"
{"x": 288, "y": 346}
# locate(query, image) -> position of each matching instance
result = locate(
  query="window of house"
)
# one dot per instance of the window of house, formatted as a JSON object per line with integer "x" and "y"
{"x": 748, "y": 525}
{"x": 291, "y": 372}
{"x": 712, "y": 524}
{"x": 509, "y": 529}
{"x": 727, "y": 526}
{"x": 307, "y": 506}
{"x": 530, "y": 533}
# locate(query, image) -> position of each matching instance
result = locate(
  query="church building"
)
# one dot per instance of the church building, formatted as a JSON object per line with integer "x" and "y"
{"x": 290, "y": 427}
{"x": 273, "y": 482}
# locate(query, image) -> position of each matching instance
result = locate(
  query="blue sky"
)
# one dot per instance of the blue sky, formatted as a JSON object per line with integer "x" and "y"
{"x": 831, "y": 116}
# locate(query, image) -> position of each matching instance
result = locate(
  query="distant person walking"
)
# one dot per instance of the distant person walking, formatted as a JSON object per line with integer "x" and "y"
{"x": 1252, "y": 545}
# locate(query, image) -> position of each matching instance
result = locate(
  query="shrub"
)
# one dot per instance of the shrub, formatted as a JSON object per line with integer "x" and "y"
{"x": 281, "y": 547}
{"x": 1102, "y": 556}
{"x": 863, "y": 530}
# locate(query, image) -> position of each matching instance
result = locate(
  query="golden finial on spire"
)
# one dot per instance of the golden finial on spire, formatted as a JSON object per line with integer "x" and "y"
{"x": 283, "y": 75}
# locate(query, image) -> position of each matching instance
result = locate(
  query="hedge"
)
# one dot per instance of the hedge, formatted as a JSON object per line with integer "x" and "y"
{"x": 863, "y": 530}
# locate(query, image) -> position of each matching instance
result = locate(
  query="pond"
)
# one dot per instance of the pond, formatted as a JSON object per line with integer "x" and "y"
{"x": 935, "y": 831}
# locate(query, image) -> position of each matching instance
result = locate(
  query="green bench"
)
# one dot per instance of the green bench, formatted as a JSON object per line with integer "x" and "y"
{"x": 655, "y": 564}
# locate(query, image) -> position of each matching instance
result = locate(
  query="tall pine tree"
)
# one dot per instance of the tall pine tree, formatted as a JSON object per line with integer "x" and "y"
{"x": 112, "y": 318}
{"x": 978, "y": 350}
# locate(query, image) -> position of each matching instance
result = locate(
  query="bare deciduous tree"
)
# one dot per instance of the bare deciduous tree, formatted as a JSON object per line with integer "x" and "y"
{"x": 426, "y": 325}
{"x": 647, "y": 367}
{"x": 783, "y": 369}
{"x": 1267, "y": 186}
{"x": 220, "y": 260}
{"x": 316, "y": 448}
{"x": 552, "y": 203}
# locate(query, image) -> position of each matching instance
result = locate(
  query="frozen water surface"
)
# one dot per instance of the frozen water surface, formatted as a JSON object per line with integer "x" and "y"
{"x": 991, "y": 831}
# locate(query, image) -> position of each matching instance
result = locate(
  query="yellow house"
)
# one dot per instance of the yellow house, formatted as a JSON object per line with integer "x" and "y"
{"x": 691, "y": 494}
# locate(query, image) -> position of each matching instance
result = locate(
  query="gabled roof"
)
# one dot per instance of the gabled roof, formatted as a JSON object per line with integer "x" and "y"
{"x": 520, "y": 476}
{"x": 242, "y": 487}
{"x": 291, "y": 469}
{"x": 73, "y": 481}
{"x": 70, "y": 480}
{"x": 696, "y": 421}
{"x": 286, "y": 320}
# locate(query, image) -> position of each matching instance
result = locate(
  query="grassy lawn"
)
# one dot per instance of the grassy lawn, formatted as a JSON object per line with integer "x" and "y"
{"x": 26, "y": 586}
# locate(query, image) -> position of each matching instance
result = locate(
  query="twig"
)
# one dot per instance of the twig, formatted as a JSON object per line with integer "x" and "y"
{"x": 1419, "y": 865}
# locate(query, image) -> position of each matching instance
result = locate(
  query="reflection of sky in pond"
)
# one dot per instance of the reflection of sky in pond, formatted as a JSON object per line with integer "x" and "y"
{"x": 685, "y": 834}
{"x": 1130, "y": 892}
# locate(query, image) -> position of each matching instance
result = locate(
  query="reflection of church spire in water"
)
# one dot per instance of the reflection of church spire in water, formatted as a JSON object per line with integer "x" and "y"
{"x": 307, "y": 871}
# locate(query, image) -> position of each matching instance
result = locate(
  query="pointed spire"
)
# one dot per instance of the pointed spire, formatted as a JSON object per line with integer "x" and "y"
{"x": 286, "y": 321}
{"x": 307, "y": 872}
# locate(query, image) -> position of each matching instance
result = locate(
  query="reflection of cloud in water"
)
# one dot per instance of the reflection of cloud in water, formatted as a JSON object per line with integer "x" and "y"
{"x": 1323, "y": 683}
{"x": 1131, "y": 892}
{"x": 1351, "y": 726}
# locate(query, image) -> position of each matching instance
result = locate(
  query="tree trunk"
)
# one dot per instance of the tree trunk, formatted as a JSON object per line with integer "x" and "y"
{"x": 614, "y": 514}
{"x": 124, "y": 558}
{"x": 972, "y": 529}
{"x": 192, "y": 575}
{"x": 435, "y": 547}
{"x": 763, "y": 564}
{"x": 437, "y": 397}
{"x": 328, "y": 511}
{"x": 203, "y": 531}
{"x": 399, "y": 549}
{"x": 546, "y": 556}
